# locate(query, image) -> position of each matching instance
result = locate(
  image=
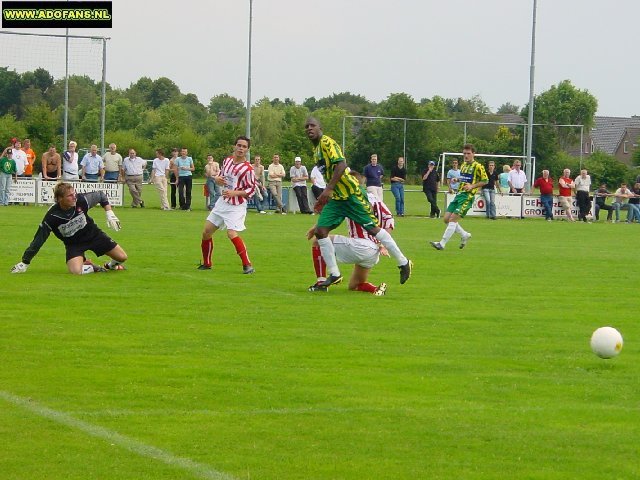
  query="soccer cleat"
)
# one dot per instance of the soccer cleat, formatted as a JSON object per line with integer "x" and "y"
{"x": 464, "y": 240}
{"x": 436, "y": 245}
{"x": 204, "y": 267}
{"x": 248, "y": 269}
{"x": 316, "y": 287}
{"x": 96, "y": 268}
{"x": 380, "y": 290}
{"x": 115, "y": 267}
{"x": 331, "y": 280}
{"x": 405, "y": 272}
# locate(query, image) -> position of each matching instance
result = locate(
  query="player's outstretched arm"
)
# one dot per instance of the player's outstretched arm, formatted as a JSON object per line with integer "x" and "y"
{"x": 41, "y": 236}
{"x": 112, "y": 221}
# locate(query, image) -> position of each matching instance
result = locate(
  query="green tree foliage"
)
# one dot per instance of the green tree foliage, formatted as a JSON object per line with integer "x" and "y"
{"x": 10, "y": 91}
{"x": 163, "y": 91}
{"x": 508, "y": 107}
{"x": 9, "y": 128}
{"x": 562, "y": 104}
{"x": 42, "y": 124}
{"x": 605, "y": 168}
{"x": 228, "y": 106}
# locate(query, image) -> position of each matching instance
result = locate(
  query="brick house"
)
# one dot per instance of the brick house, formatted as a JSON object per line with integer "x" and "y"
{"x": 617, "y": 136}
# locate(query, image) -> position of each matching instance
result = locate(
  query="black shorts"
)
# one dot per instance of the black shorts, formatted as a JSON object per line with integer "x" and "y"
{"x": 99, "y": 245}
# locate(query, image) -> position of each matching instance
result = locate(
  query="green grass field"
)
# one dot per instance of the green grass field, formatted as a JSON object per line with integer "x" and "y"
{"x": 478, "y": 368}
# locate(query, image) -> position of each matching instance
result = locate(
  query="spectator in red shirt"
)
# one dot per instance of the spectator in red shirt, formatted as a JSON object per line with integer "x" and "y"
{"x": 545, "y": 184}
{"x": 566, "y": 185}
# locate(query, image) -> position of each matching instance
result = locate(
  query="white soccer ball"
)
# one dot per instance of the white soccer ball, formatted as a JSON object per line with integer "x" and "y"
{"x": 606, "y": 342}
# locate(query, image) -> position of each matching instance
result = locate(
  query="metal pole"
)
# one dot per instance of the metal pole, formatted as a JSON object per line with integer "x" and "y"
{"x": 581, "y": 143}
{"x": 532, "y": 70}
{"x": 248, "y": 131}
{"x": 344, "y": 132}
{"x": 465, "y": 133}
{"x": 104, "y": 93}
{"x": 66, "y": 91}
{"x": 404, "y": 144}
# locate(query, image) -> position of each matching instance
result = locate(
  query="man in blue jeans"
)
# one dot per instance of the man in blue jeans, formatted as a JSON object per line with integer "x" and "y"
{"x": 398, "y": 177}
{"x": 185, "y": 167}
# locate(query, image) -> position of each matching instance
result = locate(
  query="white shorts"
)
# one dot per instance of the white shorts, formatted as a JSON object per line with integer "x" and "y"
{"x": 356, "y": 250}
{"x": 231, "y": 217}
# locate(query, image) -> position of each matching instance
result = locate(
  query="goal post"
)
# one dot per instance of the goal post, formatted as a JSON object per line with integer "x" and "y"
{"x": 445, "y": 159}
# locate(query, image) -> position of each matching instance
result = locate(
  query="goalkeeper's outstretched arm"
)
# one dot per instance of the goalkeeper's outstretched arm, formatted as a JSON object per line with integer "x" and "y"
{"x": 41, "y": 236}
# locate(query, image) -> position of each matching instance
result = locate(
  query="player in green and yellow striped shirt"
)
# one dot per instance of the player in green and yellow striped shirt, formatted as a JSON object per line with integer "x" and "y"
{"x": 472, "y": 177}
{"x": 343, "y": 198}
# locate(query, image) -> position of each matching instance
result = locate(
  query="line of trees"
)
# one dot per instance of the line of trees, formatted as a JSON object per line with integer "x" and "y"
{"x": 154, "y": 114}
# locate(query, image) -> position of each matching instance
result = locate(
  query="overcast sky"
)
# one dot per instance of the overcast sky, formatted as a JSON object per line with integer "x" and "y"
{"x": 451, "y": 48}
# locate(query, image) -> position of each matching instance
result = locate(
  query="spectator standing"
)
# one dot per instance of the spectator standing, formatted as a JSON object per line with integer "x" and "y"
{"x": 30, "y": 156}
{"x": 373, "y": 174}
{"x": 92, "y": 165}
{"x": 211, "y": 171}
{"x": 185, "y": 166}
{"x": 601, "y": 198}
{"x": 261, "y": 191}
{"x": 51, "y": 164}
{"x": 566, "y": 186}
{"x": 583, "y": 185}
{"x": 19, "y": 157}
{"x": 504, "y": 180}
{"x": 430, "y": 183}
{"x": 132, "y": 172}
{"x": 545, "y": 184}
{"x": 317, "y": 182}
{"x": 299, "y": 176}
{"x": 275, "y": 174}
{"x": 8, "y": 173}
{"x": 238, "y": 185}
{"x": 159, "y": 174}
{"x": 112, "y": 164}
{"x": 489, "y": 190}
{"x": 173, "y": 178}
{"x": 517, "y": 178}
{"x": 398, "y": 177}
{"x": 453, "y": 177}
{"x": 70, "y": 167}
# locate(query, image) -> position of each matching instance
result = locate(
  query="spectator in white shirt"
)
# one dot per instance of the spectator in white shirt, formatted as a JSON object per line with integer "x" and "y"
{"x": 517, "y": 178}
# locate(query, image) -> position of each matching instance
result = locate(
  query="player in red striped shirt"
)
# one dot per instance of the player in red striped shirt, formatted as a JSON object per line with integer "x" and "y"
{"x": 360, "y": 248}
{"x": 238, "y": 184}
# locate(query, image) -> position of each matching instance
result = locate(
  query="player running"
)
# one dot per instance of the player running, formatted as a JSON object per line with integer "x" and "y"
{"x": 360, "y": 248}
{"x": 472, "y": 177}
{"x": 67, "y": 219}
{"x": 238, "y": 184}
{"x": 343, "y": 198}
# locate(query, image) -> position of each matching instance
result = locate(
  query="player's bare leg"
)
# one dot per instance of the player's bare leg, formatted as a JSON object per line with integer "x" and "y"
{"x": 358, "y": 281}
{"x": 118, "y": 257}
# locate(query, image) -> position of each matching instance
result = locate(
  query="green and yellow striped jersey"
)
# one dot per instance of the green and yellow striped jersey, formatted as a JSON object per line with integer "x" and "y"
{"x": 472, "y": 173}
{"x": 327, "y": 154}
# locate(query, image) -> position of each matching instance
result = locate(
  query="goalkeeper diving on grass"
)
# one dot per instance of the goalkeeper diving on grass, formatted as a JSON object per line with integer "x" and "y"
{"x": 67, "y": 219}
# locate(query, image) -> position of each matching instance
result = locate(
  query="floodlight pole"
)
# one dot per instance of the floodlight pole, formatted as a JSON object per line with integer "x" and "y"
{"x": 532, "y": 69}
{"x": 66, "y": 90}
{"x": 248, "y": 131}
{"x": 104, "y": 94}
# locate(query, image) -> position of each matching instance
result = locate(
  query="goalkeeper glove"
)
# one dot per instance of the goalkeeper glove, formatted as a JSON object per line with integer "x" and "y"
{"x": 20, "y": 267}
{"x": 112, "y": 220}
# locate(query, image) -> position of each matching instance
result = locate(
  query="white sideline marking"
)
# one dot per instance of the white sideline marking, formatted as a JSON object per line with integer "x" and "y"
{"x": 197, "y": 469}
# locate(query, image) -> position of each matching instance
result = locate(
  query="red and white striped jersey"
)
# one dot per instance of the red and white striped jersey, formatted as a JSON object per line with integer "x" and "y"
{"x": 238, "y": 176}
{"x": 382, "y": 213}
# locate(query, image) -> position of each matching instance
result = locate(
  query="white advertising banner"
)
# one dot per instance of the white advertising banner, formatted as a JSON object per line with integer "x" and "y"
{"x": 27, "y": 190}
{"x": 528, "y": 206}
{"x": 23, "y": 191}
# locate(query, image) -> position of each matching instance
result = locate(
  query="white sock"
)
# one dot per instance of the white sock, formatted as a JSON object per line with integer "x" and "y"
{"x": 449, "y": 231}
{"x": 87, "y": 269}
{"x": 390, "y": 244}
{"x": 461, "y": 231}
{"x": 329, "y": 256}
